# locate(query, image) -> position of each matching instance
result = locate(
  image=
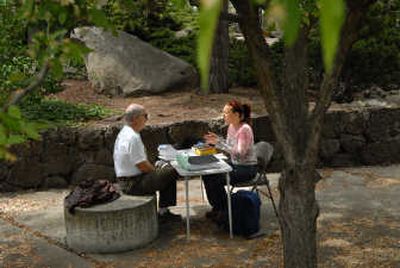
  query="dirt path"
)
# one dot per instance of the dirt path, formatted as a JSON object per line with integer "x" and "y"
{"x": 189, "y": 105}
{"x": 164, "y": 108}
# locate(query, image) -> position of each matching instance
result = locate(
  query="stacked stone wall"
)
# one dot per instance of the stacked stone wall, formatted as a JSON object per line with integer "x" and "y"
{"x": 66, "y": 156}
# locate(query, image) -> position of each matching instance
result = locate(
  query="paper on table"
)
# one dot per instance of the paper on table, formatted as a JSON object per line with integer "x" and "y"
{"x": 167, "y": 152}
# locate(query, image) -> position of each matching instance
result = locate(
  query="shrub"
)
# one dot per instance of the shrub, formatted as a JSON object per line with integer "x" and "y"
{"x": 62, "y": 112}
{"x": 375, "y": 58}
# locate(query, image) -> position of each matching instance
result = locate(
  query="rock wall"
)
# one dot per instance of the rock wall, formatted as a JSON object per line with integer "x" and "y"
{"x": 66, "y": 156}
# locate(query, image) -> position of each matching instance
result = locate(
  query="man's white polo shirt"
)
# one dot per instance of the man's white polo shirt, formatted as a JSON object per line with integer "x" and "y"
{"x": 128, "y": 151}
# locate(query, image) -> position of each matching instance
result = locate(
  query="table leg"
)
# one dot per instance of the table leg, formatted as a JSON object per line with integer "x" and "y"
{"x": 228, "y": 182}
{"x": 187, "y": 208}
{"x": 201, "y": 189}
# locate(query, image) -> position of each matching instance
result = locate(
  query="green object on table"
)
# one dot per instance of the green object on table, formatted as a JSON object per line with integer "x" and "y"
{"x": 182, "y": 160}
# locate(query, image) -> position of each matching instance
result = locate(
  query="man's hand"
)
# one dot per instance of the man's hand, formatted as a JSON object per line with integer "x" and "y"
{"x": 145, "y": 166}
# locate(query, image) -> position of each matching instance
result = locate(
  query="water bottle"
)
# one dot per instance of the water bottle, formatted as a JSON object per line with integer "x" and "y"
{"x": 182, "y": 159}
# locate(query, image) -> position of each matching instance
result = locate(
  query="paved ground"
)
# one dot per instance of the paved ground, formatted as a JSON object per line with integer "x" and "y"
{"x": 359, "y": 226}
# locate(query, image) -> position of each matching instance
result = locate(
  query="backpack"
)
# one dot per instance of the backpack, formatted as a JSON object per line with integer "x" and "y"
{"x": 245, "y": 213}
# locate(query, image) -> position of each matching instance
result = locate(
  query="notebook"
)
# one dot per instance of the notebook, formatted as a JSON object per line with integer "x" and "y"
{"x": 202, "y": 159}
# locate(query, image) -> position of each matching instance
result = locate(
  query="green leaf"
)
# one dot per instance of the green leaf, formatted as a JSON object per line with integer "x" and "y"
{"x": 208, "y": 19}
{"x": 98, "y": 17}
{"x": 259, "y": 2}
{"x": 332, "y": 17}
{"x": 32, "y": 131}
{"x": 3, "y": 136}
{"x": 16, "y": 139}
{"x": 27, "y": 8}
{"x": 57, "y": 35}
{"x": 10, "y": 122}
{"x": 292, "y": 21}
{"x": 14, "y": 111}
{"x": 179, "y": 3}
{"x": 57, "y": 69}
{"x": 62, "y": 17}
{"x": 16, "y": 76}
{"x": 73, "y": 50}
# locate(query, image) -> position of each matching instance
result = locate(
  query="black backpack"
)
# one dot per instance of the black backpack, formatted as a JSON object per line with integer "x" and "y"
{"x": 245, "y": 213}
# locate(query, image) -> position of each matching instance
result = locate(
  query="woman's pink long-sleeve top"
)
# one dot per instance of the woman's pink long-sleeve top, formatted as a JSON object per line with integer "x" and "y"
{"x": 240, "y": 145}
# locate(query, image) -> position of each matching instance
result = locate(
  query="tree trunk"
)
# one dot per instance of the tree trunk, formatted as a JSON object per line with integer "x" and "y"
{"x": 298, "y": 212}
{"x": 218, "y": 81}
{"x": 296, "y": 129}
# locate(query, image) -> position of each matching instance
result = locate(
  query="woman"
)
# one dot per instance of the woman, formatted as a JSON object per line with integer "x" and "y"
{"x": 239, "y": 145}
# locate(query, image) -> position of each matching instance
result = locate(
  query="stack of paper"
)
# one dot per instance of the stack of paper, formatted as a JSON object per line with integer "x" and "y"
{"x": 167, "y": 152}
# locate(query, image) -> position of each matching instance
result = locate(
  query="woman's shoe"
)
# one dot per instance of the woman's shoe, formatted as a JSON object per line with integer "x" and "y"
{"x": 221, "y": 218}
{"x": 168, "y": 216}
{"x": 212, "y": 214}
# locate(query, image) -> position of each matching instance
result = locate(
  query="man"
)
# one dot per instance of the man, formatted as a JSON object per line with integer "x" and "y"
{"x": 135, "y": 174}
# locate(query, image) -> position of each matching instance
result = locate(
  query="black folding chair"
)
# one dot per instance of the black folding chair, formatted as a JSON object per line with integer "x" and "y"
{"x": 264, "y": 151}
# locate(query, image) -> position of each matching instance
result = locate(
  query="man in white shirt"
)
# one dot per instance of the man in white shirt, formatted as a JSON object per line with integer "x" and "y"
{"x": 135, "y": 174}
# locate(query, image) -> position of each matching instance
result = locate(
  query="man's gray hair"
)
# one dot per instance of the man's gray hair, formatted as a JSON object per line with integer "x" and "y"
{"x": 132, "y": 111}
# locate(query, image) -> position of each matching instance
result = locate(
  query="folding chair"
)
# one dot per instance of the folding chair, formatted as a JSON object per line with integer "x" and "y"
{"x": 264, "y": 151}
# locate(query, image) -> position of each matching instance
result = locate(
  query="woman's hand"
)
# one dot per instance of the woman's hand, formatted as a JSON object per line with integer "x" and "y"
{"x": 211, "y": 138}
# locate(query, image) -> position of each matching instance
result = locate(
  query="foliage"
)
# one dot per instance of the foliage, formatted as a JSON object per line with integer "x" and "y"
{"x": 12, "y": 32}
{"x": 15, "y": 129}
{"x": 16, "y": 73}
{"x": 56, "y": 111}
{"x": 331, "y": 20}
{"x": 157, "y": 22}
{"x": 375, "y": 58}
{"x": 49, "y": 48}
{"x": 240, "y": 66}
{"x": 241, "y": 70}
{"x": 142, "y": 18}
{"x": 331, "y": 15}
{"x": 182, "y": 47}
{"x": 208, "y": 20}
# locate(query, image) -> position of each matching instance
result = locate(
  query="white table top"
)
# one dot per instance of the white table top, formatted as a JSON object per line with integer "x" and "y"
{"x": 223, "y": 167}
{"x": 189, "y": 152}
{"x": 219, "y": 167}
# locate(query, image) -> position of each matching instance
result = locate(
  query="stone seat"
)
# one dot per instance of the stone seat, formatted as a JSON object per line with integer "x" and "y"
{"x": 124, "y": 224}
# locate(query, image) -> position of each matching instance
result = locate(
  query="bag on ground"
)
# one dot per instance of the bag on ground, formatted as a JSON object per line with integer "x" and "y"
{"x": 245, "y": 213}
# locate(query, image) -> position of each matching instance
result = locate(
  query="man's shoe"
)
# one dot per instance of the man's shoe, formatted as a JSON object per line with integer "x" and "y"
{"x": 169, "y": 216}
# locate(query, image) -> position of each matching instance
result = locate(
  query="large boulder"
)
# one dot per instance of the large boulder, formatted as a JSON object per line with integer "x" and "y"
{"x": 124, "y": 65}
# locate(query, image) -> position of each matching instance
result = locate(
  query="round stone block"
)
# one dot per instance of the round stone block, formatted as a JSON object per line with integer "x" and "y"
{"x": 124, "y": 224}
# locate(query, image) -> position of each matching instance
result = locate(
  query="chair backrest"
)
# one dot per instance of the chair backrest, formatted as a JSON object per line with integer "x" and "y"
{"x": 264, "y": 151}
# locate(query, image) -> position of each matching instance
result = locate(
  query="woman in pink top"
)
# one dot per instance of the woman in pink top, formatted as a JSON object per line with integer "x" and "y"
{"x": 239, "y": 144}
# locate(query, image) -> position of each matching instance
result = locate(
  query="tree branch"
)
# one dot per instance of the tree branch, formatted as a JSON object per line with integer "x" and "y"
{"x": 231, "y": 18}
{"x": 34, "y": 84}
{"x": 261, "y": 55}
{"x": 355, "y": 13}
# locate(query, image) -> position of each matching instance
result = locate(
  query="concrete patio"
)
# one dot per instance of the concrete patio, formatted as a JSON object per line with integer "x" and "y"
{"x": 358, "y": 226}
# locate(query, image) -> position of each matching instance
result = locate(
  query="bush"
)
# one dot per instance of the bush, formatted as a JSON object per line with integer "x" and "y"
{"x": 17, "y": 72}
{"x": 62, "y": 112}
{"x": 375, "y": 58}
{"x": 12, "y": 32}
{"x": 17, "y": 69}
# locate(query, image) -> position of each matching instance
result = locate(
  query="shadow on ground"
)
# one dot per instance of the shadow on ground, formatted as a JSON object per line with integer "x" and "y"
{"x": 359, "y": 226}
